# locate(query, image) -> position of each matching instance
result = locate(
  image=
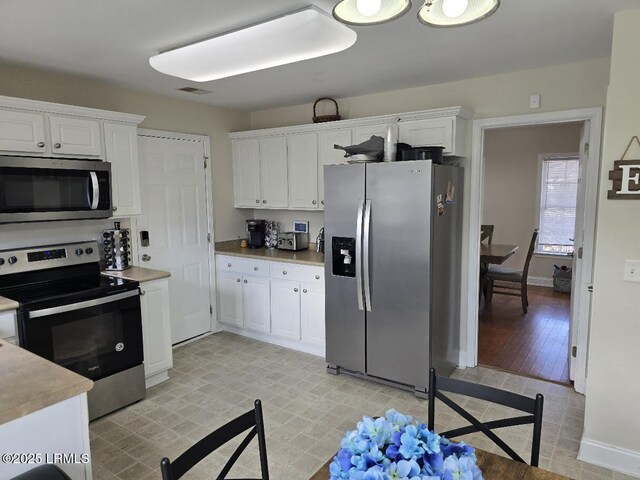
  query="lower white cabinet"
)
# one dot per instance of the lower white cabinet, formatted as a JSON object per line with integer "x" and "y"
{"x": 156, "y": 330}
{"x": 8, "y": 326}
{"x": 278, "y": 302}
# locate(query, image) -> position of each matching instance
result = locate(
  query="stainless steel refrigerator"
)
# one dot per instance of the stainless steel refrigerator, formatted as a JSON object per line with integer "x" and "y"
{"x": 392, "y": 262}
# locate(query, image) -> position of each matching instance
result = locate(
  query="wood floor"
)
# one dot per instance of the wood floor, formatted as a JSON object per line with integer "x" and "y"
{"x": 535, "y": 344}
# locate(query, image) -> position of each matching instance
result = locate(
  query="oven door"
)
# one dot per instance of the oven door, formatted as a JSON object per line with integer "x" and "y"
{"x": 40, "y": 189}
{"x": 95, "y": 338}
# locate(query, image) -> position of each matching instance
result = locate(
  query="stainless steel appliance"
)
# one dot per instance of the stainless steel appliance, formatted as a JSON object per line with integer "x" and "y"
{"x": 41, "y": 189}
{"x": 117, "y": 248}
{"x": 70, "y": 314}
{"x": 293, "y": 241}
{"x": 255, "y": 232}
{"x": 320, "y": 241}
{"x": 392, "y": 262}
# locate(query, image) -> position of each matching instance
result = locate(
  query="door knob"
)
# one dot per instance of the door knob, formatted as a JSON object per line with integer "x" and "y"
{"x": 56, "y": 145}
{"x": 304, "y": 290}
{"x": 40, "y": 144}
{"x": 295, "y": 289}
{"x": 245, "y": 281}
{"x": 146, "y": 258}
{"x": 142, "y": 292}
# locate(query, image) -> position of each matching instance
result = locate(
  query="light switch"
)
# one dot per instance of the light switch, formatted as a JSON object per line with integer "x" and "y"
{"x": 632, "y": 271}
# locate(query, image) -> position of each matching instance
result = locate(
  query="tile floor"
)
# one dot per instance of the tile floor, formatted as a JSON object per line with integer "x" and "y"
{"x": 307, "y": 411}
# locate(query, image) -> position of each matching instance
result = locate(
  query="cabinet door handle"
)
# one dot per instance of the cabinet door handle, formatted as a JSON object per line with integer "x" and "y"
{"x": 238, "y": 280}
{"x": 314, "y": 202}
{"x": 322, "y": 202}
{"x": 228, "y": 264}
{"x": 304, "y": 290}
{"x": 257, "y": 201}
{"x": 56, "y": 145}
{"x": 142, "y": 292}
{"x": 284, "y": 272}
{"x": 317, "y": 277}
{"x": 295, "y": 289}
{"x": 114, "y": 208}
{"x": 264, "y": 201}
{"x": 255, "y": 269}
{"x": 41, "y": 144}
{"x": 245, "y": 281}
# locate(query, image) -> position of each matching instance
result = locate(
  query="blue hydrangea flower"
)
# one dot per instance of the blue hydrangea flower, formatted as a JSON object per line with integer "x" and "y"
{"x": 398, "y": 418}
{"x": 460, "y": 468}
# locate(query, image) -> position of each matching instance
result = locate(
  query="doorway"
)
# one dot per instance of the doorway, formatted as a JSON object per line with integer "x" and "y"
{"x": 582, "y": 274}
{"x": 174, "y": 231}
{"x": 531, "y": 178}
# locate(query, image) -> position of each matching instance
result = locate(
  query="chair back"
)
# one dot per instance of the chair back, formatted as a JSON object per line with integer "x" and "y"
{"x": 486, "y": 233}
{"x": 532, "y": 247}
{"x": 532, "y": 406}
{"x": 252, "y": 421}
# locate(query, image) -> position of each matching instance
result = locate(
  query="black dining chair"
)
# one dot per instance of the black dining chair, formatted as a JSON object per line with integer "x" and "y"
{"x": 43, "y": 472}
{"x": 252, "y": 420}
{"x": 532, "y": 406}
{"x": 511, "y": 282}
{"x": 486, "y": 233}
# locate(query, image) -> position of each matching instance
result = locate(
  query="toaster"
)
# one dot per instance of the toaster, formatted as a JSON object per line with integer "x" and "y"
{"x": 293, "y": 241}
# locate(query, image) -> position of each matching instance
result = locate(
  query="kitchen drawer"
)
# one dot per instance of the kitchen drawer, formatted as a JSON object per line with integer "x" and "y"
{"x": 228, "y": 263}
{"x": 298, "y": 273}
{"x": 7, "y": 325}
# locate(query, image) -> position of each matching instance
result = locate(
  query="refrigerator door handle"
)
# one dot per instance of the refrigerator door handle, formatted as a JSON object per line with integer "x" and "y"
{"x": 365, "y": 254}
{"x": 359, "y": 255}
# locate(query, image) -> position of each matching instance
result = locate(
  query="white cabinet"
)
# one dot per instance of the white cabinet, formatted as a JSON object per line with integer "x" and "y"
{"x": 273, "y": 172}
{"x": 246, "y": 172}
{"x": 364, "y": 133}
{"x": 445, "y": 132}
{"x": 22, "y": 132}
{"x": 156, "y": 328}
{"x": 285, "y": 308}
{"x": 121, "y": 145}
{"x": 230, "y": 298}
{"x": 8, "y": 326}
{"x": 75, "y": 136}
{"x": 312, "y": 314}
{"x": 302, "y": 154}
{"x": 328, "y": 155}
{"x": 255, "y": 295}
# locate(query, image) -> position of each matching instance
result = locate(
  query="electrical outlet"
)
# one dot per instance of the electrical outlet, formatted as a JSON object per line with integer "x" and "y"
{"x": 534, "y": 101}
{"x": 632, "y": 271}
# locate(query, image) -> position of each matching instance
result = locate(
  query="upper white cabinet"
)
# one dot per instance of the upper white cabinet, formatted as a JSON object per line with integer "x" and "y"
{"x": 75, "y": 136}
{"x": 22, "y": 132}
{"x": 308, "y": 148}
{"x": 303, "y": 164}
{"x": 121, "y": 145}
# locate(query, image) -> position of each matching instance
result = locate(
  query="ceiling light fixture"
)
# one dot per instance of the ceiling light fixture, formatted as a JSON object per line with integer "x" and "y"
{"x": 370, "y": 12}
{"x": 454, "y": 13}
{"x": 296, "y": 36}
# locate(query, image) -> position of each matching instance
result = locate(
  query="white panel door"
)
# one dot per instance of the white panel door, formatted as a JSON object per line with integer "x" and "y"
{"x": 312, "y": 314}
{"x": 327, "y": 155}
{"x": 246, "y": 172}
{"x": 255, "y": 303}
{"x": 285, "y": 309}
{"x": 229, "y": 286}
{"x": 273, "y": 172}
{"x": 22, "y": 132}
{"x": 156, "y": 326}
{"x": 362, "y": 134}
{"x": 432, "y": 132}
{"x": 75, "y": 136}
{"x": 302, "y": 153}
{"x": 174, "y": 213}
{"x": 121, "y": 145}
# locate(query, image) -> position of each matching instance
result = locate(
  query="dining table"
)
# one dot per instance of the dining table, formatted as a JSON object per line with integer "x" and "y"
{"x": 496, "y": 253}
{"x": 494, "y": 467}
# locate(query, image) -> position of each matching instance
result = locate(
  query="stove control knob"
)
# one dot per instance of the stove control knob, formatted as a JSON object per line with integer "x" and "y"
{"x": 79, "y": 251}
{"x": 12, "y": 260}
{"x": 89, "y": 251}
{"x": 1, "y": 261}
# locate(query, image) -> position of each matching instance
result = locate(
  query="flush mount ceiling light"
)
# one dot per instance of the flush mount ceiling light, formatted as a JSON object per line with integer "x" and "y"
{"x": 297, "y": 36}
{"x": 454, "y": 13}
{"x": 370, "y": 12}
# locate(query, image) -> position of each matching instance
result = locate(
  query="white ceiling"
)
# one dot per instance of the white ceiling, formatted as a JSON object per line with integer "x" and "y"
{"x": 113, "y": 40}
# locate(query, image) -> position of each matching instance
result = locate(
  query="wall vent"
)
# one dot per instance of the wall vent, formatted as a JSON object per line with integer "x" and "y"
{"x": 196, "y": 91}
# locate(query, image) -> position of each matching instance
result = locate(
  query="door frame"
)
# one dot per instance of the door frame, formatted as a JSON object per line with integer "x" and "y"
{"x": 206, "y": 142}
{"x": 476, "y": 167}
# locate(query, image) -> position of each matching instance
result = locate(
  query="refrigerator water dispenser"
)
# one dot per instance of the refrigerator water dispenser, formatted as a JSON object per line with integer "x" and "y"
{"x": 344, "y": 256}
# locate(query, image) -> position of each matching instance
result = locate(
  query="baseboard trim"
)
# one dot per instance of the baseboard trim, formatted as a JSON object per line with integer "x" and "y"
{"x": 282, "y": 342}
{"x": 540, "y": 281}
{"x": 610, "y": 456}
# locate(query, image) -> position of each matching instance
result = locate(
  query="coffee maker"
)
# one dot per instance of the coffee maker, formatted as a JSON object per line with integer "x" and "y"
{"x": 255, "y": 233}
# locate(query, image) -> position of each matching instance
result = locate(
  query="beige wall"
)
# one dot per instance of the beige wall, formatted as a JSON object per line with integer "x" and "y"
{"x": 564, "y": 87}
{"x": 511, "y": 185}
{"x": 162, "y": 113}
{"x": 613, "y": 385}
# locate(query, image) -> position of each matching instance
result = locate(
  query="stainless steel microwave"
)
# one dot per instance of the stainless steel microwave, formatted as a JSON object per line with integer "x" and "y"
{"x": 44, "y": 189}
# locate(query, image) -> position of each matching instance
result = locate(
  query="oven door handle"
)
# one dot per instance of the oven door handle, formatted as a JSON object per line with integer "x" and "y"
{"x": 95, "y": 190}
{"x": 45, "y": 312}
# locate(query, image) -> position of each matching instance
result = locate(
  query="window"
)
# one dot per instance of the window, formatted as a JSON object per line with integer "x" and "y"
{"x": 558, "y": 197}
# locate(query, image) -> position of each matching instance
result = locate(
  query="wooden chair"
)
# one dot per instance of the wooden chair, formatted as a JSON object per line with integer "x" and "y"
{"x": 532, "y": 406}
{"x": 43, "y": 472}
{"x": 250, "y": 420}
{"x": 486, "y": 233}
{"x": 511, "y": 282}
